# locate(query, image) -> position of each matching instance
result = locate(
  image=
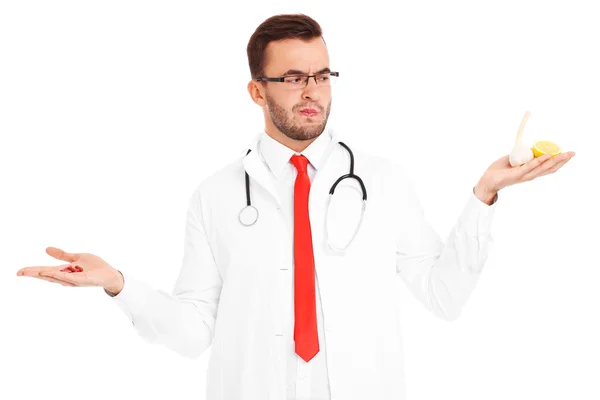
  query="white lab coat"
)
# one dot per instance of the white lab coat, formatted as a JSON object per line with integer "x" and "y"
{"x": 231, "y": 286}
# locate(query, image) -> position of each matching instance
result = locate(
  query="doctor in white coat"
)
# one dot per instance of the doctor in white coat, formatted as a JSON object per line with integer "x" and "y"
{"x": 239, "y": 288}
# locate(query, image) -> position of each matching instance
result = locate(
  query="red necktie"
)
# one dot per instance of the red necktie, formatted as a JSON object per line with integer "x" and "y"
{"x": 305, "y": 309}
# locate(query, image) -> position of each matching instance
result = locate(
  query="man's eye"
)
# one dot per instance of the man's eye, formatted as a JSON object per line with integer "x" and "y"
{"x": 294, "y": 79}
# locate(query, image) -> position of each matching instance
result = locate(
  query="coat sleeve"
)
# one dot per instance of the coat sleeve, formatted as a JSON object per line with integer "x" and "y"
{"x": 441, "y": 275}
{"x": 184, "y": 320}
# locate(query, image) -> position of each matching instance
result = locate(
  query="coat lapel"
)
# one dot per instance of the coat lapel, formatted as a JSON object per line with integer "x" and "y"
{"x": 258, "y": 170}
{"x": 332, "y": 167}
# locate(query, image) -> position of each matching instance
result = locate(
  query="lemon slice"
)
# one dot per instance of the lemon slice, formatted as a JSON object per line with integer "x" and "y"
{"x": 542, "y": 147}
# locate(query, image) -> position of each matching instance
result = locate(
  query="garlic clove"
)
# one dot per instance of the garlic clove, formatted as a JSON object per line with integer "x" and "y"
{"x": 520, "y": 155}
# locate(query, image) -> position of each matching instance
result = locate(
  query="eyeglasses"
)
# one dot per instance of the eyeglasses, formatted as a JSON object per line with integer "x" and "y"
{"x": 326, "y": 79}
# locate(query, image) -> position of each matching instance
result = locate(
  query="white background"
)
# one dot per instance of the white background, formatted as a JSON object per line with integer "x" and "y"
{"x": 112, "y": 112}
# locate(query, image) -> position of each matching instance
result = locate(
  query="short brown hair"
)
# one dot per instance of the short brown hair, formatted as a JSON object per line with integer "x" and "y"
{"x": 278, "y": 27}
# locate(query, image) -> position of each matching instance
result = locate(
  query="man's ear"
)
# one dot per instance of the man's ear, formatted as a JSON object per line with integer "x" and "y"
{"x": 254, "y": 89}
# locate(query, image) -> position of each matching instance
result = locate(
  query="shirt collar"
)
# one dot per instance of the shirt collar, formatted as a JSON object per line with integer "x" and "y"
{"x": 277, "y": 155}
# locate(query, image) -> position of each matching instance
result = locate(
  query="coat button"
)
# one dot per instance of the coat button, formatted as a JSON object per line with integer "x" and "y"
{"x": 328, "y": 326}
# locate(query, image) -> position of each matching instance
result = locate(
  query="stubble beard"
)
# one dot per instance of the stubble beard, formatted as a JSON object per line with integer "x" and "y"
{"x": 290, "y": 128}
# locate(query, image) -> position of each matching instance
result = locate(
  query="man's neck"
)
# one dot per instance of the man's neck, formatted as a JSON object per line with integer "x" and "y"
{"x": 296, "y": 145}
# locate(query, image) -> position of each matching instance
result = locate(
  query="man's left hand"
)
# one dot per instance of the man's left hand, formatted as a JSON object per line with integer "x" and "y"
{"x": 501, "y": 174}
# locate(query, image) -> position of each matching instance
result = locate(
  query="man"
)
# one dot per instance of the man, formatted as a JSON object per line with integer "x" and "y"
{"x": 287, "y": 317}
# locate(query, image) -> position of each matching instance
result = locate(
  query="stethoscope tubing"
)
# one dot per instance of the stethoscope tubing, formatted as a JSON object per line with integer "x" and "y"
{"x": 249, "y": 214}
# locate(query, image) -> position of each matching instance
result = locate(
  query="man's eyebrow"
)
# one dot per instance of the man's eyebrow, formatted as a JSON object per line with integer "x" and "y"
{"x": 298, "y": 72}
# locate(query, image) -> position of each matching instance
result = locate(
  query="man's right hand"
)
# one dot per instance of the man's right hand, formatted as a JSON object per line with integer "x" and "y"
{"x": 83, "y": 269}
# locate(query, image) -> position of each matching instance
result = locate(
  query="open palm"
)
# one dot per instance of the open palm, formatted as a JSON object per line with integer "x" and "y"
{"x": 82, "y": 269}
{"x": 501, "y": 174}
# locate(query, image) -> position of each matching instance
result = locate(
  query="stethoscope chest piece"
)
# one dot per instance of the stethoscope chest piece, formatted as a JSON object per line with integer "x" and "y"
{"x": 248, "y": 215}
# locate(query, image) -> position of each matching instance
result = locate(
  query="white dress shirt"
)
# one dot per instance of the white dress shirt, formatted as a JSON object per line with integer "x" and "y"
{"x": 305, "y": 380}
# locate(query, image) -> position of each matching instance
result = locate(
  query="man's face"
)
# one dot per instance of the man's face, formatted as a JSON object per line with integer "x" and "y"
{"x": 284, "y": 106}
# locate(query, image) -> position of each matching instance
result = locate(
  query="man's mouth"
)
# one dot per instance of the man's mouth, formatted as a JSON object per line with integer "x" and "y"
{"x": 309, "y": 112}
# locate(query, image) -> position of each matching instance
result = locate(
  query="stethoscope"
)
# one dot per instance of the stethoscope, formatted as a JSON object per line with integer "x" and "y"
{"x": 249, "y": 214}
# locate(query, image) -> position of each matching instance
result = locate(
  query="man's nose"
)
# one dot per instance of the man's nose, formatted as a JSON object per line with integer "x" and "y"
{"x": 311, "y": 89}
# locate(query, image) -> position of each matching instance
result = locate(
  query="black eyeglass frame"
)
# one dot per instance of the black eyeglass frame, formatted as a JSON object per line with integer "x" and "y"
{"x": 282, "y": 79}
